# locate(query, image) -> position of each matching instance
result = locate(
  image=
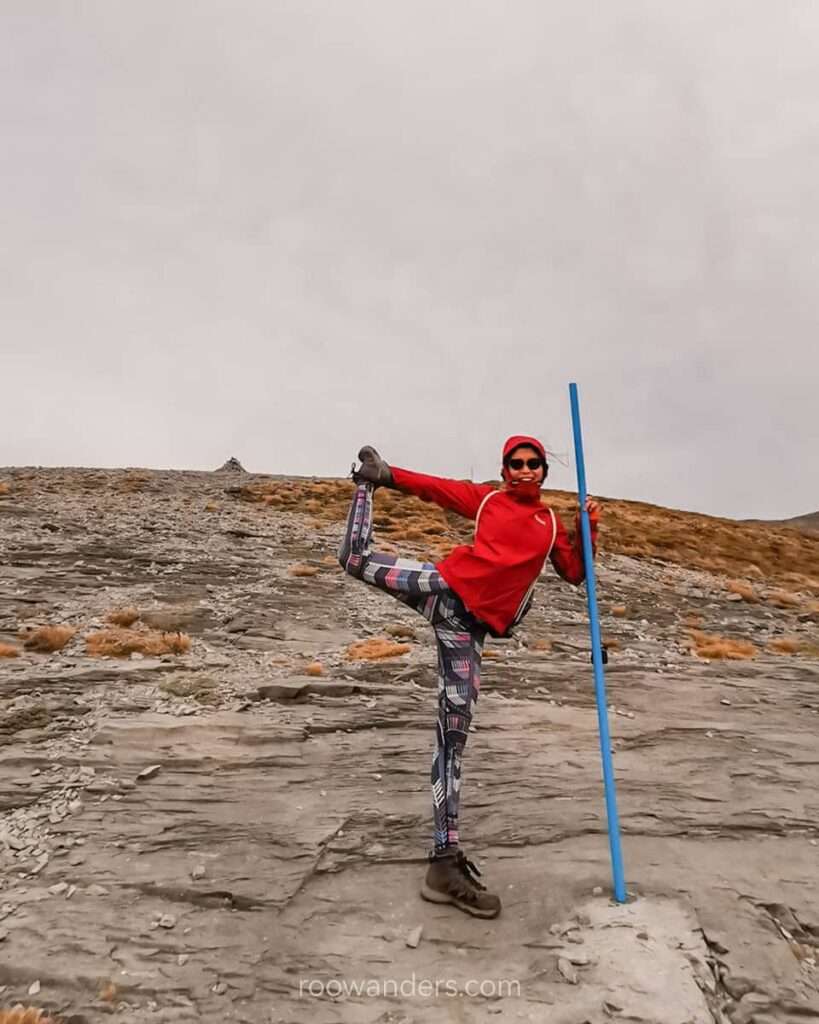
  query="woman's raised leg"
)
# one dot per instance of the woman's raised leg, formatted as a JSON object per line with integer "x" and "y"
{"x": 414, "y": 583}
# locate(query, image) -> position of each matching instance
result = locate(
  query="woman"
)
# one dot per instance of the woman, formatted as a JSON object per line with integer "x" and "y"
{"x": 479, "y": 588}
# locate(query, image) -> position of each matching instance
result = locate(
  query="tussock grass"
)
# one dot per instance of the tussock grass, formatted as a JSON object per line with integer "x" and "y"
{"x": 783, "y": 599}
{"x": 711, "y": 646}
{"x": 4, "y": 487}
{"x": 315, "y": 668}
{"x": 120, "y": 643}
{"x": 300, "y": 569}
{"x": 375, "y": 649}
{"x": 9, "y": 651}
{"x": 47, "y": 639}
{"x": 793, "y": 645}
{"x": 20, "y": 1014}
{"x": 544, "y": 646}
{"x": 123, "y": 616}
{"x": 745, "y": 590}
{"x": 618, "y": 610}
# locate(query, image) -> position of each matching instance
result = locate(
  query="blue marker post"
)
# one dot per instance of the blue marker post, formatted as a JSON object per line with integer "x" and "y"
{"x": 597, "y": 659}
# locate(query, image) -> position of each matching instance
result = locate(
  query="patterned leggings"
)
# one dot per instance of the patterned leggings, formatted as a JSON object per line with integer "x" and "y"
{"x": 460, "y": 639}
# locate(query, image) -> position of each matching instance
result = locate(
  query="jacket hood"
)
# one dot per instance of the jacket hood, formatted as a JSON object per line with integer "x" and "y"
{"x": 527, "y": 493}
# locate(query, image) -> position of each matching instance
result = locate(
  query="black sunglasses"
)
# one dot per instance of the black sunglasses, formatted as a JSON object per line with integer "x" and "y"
{"x": 529, "y": 463}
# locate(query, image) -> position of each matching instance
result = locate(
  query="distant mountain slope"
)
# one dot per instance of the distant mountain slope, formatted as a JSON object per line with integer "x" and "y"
{"x": 807, "y": 522}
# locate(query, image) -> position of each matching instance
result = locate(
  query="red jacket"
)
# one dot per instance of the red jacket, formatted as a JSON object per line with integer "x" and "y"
{"x": 495, "y": 575}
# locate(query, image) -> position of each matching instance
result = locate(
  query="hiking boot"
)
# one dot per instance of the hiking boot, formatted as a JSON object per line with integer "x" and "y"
{"x": 451, "y": 879}
{"x": 373, "y": 469}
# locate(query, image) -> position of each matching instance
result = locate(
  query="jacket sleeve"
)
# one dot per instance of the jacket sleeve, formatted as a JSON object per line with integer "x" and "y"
{"x": 567, "y": 555}
{"x": 459, "y": 496}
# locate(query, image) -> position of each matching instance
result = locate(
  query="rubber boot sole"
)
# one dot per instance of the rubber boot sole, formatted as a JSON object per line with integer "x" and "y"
{"x": 434, "y": 896}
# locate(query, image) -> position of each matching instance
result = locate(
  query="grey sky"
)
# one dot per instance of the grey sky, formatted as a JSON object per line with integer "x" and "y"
{"x": 280, "y": 230}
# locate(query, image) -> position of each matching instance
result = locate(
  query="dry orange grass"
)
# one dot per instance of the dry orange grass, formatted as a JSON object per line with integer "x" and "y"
{"x": 693, "y": 620}
{"x": 783, "y": 599}
{"x": 544, "y": 646}
{"x": 120, "y": 643}
{"x": 9, "y": 651}
{"x": 20, "y": 1014}
{"x": 375, "y": 649}
{"x": 315, "y": 668}
{"x": 211, "y": 507}
{"x": 618, "y": 610}
{"x": 134, "y": 482}
{"x": 745, "y": 590}
{"x": 793, "y": 645}
{"x": 720, "y": 546}
{"x": 711, "y": 646}
{"x": 4, "y": 487}
{"x": 47, "y": 639}
{"x": 123, "y": 616}
{"x": 303, "y": 570}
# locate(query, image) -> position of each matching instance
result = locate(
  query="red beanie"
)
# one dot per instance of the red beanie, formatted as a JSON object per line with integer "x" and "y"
{"x": 519, "y": 441}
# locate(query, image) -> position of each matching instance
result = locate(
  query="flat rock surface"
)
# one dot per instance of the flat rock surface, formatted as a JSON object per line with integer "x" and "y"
{"x": 267, "y": 868}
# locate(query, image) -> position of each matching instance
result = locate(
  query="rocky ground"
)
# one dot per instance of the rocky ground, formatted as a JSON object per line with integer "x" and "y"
{"x": 219, "y": 835}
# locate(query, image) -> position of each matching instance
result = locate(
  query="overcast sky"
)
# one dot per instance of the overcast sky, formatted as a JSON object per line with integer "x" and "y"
{"x": 279, "y": 230}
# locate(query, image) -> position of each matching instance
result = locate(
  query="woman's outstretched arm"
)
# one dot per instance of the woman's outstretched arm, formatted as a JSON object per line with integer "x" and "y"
{"x": 461, "y": 496}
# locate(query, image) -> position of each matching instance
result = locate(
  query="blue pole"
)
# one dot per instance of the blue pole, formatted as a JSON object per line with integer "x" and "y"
{"x": 597, "y": 659}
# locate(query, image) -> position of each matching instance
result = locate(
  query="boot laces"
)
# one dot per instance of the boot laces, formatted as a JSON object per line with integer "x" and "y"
{"x": 468, "y": 869}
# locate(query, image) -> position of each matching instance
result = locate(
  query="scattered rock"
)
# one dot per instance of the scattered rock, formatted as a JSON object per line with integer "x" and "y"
{"x": 567, "y": 971}
{"x": 149, "y": 772}
{"x": 414, "y": 937}
{"x": 167, "y": 921}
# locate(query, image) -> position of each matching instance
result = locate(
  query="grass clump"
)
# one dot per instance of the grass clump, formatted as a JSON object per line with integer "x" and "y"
{"x": 121, "y": 643}
{"x": 123, "y": 616}
{"x": 375, "y": 649}
{"x": 793, "y": 645}
{"x": 47, "y": 639}
{"x": 300, "y": 569}
{"x": 20, "y": 1014}
{"x": 744, "y": 590}
{"x": 713, "y": 647}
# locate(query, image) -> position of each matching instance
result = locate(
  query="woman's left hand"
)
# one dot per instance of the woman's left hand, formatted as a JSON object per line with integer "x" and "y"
{"x": 593, "y": 509}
